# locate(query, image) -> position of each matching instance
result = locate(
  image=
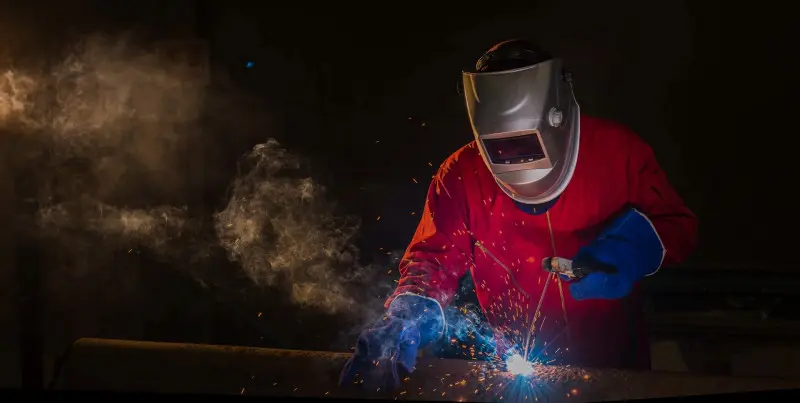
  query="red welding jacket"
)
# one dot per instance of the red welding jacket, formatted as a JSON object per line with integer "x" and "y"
{"x": 615, "y": 170}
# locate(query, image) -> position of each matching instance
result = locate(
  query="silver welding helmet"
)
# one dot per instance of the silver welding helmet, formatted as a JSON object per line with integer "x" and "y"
{"x": 526, "y": 120}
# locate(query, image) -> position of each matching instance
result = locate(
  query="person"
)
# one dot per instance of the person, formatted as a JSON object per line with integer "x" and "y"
{"x": 540, "y": 180}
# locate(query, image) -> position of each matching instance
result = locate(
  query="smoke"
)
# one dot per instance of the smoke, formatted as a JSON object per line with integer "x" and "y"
{"x": 281, "y": 229}
{"x": 109, "y": 131}
{"x": 15, "y": 96}
{"x": 107, "y": 122}
{"x": 120, "y": 228}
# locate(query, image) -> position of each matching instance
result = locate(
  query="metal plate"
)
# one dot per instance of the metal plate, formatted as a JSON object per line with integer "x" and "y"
{"x": 133, "y": 366}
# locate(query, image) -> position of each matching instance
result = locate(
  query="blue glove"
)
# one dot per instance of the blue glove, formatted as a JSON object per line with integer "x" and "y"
{"x": 631, "y": 245}
{"x": 388, "y": 349}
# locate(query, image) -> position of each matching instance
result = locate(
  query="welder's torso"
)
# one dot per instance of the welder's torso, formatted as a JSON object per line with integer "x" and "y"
{"x": 602, "y": 331}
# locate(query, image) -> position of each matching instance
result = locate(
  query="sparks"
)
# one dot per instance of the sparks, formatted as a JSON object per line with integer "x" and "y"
{"x": 517, "y": 365}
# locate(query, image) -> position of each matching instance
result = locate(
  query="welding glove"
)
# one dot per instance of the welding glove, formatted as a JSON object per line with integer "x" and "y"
{"x": 631, "y": 245}
{"x": 388, "y": 349}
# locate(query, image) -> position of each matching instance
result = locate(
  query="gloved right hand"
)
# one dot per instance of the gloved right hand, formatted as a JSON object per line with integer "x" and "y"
{"x": 387, "y": 351}
{"x": 631, "y": 246}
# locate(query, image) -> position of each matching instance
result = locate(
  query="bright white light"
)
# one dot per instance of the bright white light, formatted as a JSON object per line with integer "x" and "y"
{"x": 516, "y": 365}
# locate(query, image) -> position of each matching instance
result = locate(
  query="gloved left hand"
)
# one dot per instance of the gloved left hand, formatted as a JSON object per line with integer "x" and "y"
{"x": 388, "y": 349}
{"x": 631, "y": 245}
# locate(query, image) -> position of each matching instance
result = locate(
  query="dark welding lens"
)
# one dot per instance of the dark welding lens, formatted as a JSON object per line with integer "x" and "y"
{"x": 514, "y": 150}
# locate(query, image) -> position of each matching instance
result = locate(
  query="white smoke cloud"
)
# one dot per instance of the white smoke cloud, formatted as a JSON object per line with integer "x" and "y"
{"x": 280, "y": 228}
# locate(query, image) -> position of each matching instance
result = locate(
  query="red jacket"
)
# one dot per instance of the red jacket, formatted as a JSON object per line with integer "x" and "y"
{"x": 615, "y": 170}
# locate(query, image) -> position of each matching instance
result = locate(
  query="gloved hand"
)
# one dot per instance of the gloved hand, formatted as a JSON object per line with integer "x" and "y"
{"x": 388, "y": 349}
{"x": 630, "y": 244}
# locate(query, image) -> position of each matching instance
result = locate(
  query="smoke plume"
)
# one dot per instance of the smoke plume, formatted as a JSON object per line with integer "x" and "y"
{"x": 111, "y": 127}
{"x": 279, "y": 227}
{"x": 108, "y": 122}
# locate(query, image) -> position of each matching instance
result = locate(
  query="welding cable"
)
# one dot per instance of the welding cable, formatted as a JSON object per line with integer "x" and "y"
{"x": 496, "y": 260}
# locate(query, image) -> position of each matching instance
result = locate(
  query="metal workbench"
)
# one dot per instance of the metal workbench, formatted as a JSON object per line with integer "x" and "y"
{"x": 134, "y": 366}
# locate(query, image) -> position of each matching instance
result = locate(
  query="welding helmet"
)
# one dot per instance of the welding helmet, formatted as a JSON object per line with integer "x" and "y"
{"x": 525, "y": 119}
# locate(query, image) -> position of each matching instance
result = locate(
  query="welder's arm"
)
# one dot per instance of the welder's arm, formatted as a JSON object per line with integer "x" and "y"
{"x": 653, "y": 195}
{"x": 429, "y": 275}
{"x": 657, "y": 229}
{"x": 441, "y": 249}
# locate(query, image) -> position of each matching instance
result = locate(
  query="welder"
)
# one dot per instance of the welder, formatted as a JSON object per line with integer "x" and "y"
{"x": 539, "y": 180}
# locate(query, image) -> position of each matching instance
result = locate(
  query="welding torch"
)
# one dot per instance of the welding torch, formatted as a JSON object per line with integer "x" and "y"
{"x": 574, "y": 271}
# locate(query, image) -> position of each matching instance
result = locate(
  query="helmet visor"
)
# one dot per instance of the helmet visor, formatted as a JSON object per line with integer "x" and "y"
{"x": 514, "y": 150}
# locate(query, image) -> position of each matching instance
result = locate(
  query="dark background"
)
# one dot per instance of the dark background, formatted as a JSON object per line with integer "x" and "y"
{"x": 368, "y": 95}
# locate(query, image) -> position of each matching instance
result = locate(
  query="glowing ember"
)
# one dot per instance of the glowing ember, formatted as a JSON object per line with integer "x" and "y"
{"x": 517, "y": 365}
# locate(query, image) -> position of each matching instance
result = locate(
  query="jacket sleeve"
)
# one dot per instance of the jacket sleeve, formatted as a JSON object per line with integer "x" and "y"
{"x": 651, "y": 193}
{"x": 441, "y": 249}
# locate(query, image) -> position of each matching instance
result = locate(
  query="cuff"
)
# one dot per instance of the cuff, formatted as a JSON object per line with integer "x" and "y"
{"x": 631, "y": 243}
{"x": 660, "y": 246}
